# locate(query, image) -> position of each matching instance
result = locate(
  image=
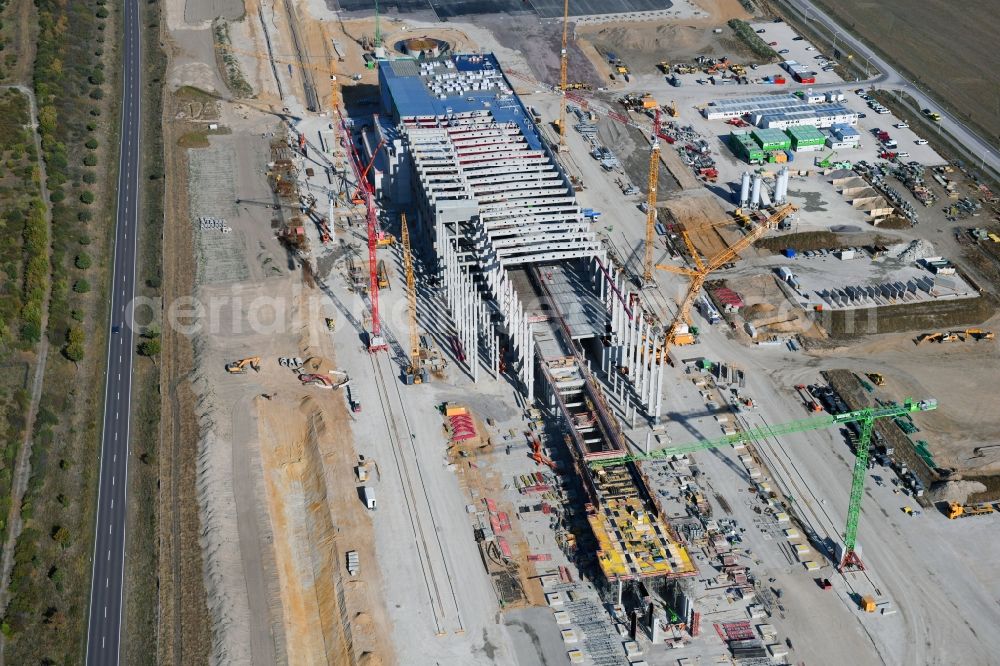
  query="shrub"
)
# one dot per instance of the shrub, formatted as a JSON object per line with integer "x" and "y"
{"x": 90, "y": 160}
{"x": 81, "y": 286}
{"x": 75, "y": 339}
{"x": 87, "y": 197}
{"x": 82, "y": 261}
{"x": 149, "y": 347}
{"x": 92, "y": 144}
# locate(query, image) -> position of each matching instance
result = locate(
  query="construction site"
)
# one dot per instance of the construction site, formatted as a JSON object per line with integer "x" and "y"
{"x": 509, "y": 345}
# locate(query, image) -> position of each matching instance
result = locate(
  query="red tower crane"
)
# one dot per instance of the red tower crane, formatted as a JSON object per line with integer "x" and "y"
{"x": 376, "y": 342}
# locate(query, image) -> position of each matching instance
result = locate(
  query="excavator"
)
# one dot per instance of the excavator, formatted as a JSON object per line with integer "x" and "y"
{"x": 978, "y": 334}
{"x": 537, "y": 455}
{"x": 240, "y": 367}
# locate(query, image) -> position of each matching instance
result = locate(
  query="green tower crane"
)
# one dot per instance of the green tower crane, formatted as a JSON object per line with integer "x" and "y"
{"x": 865, "y": 418}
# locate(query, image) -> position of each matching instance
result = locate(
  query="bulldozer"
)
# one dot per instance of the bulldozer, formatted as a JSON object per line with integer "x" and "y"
{"x": 877, "y": 378}
{"x": 240, "y": 367}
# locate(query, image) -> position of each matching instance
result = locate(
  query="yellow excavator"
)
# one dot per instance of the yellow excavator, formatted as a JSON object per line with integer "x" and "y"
{"x": 978, "y": 334}
{"x": 240, "y": 367}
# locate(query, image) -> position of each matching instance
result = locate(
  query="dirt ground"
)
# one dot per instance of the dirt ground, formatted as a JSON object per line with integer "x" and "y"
{"x": 948, "y": 49}
{"x": 259, "y": 504}
{"x": 710, "y": 228}
{"x": 642, "y": 46}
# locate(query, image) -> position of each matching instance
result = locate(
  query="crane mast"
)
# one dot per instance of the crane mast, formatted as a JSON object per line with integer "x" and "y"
{"x": 654, "y": 180}
{"x": 563, "y": 66}
{"x": 414, "y": 373}
{"x": 376, "y": 342}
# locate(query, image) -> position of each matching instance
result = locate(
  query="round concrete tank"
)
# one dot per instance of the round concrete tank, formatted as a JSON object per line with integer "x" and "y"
{"x": 423, "y": 48}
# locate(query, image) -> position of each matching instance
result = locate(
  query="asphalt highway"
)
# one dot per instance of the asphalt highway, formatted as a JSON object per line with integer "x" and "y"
{"x": 104, "y": 635}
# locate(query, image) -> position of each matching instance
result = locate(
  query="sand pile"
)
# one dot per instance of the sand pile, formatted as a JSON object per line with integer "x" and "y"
{"x": 304, "y": 534}
{"x": 954, "y": 491}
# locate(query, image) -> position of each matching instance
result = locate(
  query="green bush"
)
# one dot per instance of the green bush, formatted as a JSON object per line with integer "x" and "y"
{"x": 75, "y": 338}
{"x": 102, "y": 13}
{"x": 81, "y": 286}
{"x": 92, "y": 144}
{"x": 82, "y": 261}
{"x": 87, "y": 197}
{"x": 90, "y": 160}
{"x": 149, "y": 347}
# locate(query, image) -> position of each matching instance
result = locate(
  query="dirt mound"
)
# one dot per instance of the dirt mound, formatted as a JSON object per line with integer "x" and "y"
{"x": 649, "y": 39}
{"x": 757, "y": 310}
{"x": 954, "y": 491}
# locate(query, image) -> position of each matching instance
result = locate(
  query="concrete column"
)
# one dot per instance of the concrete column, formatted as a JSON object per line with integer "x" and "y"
{"x": 531, "y": 365}
{"x": 659, "y": 386}
{"x": 653, "y": 378}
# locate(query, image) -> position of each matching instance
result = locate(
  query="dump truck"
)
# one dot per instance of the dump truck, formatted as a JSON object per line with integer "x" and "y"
{"x": 877, "y": 379}
{"x": 956, "y": 510}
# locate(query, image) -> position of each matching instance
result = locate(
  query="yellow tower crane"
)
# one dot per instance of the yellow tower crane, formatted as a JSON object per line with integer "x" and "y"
{"x": 654, "y": 181}
{"x": 415, "y": 373}
{"x": 563, "y": 65}
{"x": 702, "y": 270}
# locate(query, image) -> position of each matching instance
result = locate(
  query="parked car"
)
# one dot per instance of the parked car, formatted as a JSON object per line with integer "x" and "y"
{"x": 902, "y": 126}
{"x": 773, "y": 44}
{"x": 782, "y": 51}
{"x": 809, "y": 48}
{"x": 921, "y": 142}
{"x": 761, "y": 31}
{"x": 797, "y": 38}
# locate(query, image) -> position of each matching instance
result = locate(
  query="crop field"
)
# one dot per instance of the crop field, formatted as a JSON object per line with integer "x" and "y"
{"x": 948, "y": 47}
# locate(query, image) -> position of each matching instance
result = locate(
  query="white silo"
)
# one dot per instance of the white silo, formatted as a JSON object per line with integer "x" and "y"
{"x": 745, "y": 189}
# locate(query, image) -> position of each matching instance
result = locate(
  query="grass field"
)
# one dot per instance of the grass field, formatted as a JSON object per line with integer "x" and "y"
{"x": 948, "y": 47}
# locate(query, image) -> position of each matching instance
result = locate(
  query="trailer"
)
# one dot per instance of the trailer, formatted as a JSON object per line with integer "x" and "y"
{"x": 368, "y": 494}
